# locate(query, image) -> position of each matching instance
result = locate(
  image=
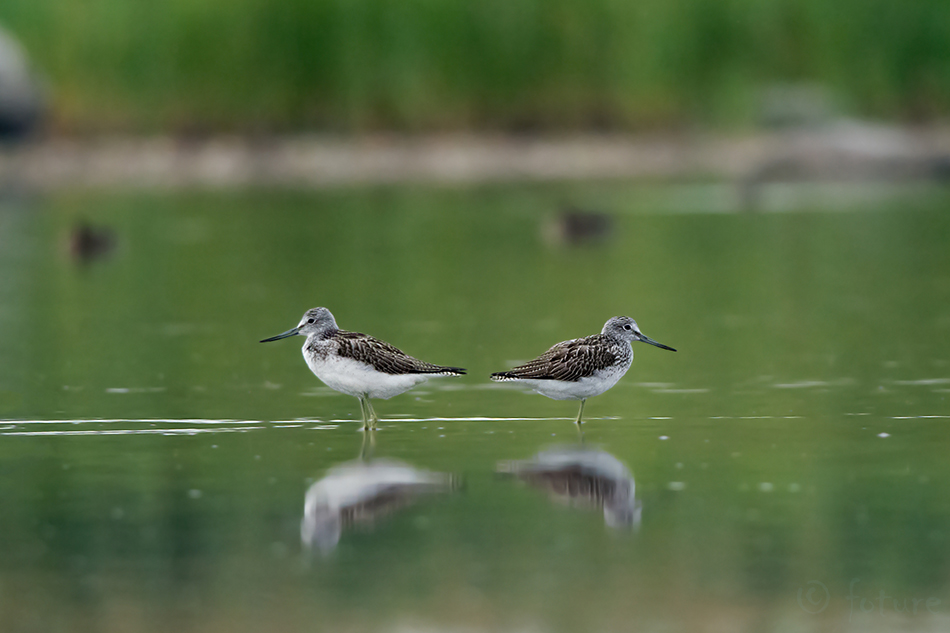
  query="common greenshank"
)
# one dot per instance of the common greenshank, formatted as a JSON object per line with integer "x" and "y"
{"x": 583, "y": 367}
{"x": 357, "y": 364}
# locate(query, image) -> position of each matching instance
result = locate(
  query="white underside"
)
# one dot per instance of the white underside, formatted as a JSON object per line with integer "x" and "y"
{"x": 580, "y": 390}
{"x": 359, "y": 379}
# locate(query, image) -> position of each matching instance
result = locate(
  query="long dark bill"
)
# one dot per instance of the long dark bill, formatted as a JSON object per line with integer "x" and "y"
{"x": 292, "y": 332}
{"x": 647, "y": 339}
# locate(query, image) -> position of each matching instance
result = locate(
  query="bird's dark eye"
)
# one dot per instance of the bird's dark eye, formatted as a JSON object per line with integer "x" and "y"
{"x": 626, "y": 327}
{"x": 309, "y": 320}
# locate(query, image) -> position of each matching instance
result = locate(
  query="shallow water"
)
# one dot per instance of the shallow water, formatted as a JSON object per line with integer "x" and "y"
{"x": 780, "y": 471}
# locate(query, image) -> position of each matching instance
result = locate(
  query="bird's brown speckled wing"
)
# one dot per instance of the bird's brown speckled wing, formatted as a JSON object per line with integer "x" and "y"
{"x": 569, "y": 361}
{"x": 384, "y": 357}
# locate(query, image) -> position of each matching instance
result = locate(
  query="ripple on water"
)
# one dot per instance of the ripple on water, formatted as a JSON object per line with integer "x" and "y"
{"x": 193, "y": 426}
{"x": 811, "y": 384}
{"x": 919, "y": 417}
{"x": 924, "y": 382}
{"x": 190, "y": 426}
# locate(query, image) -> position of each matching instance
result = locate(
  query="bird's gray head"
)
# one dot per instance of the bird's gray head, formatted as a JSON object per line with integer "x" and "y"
{"x": 626, "y": 329}
{"x": 314, "y": 321}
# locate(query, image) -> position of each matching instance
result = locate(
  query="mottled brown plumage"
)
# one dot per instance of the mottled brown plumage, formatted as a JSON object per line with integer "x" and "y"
{"x": 571, "y": 360}
{"x": 383, "y": 356}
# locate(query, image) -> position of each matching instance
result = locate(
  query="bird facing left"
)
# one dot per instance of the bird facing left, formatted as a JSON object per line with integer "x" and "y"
{"x": 358, "y": 364}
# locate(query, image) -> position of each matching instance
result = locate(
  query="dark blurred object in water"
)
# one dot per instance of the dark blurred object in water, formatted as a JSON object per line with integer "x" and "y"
{"x": 574, "y": 226}
{"x": 359, "y": 493}
{"x": 21, "y": 103}
{"x": 88, "y": 242}
{"x": 583, "y": 477}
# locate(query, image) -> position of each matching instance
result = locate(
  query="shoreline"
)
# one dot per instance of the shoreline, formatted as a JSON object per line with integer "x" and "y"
{"x": 845, "y": 151}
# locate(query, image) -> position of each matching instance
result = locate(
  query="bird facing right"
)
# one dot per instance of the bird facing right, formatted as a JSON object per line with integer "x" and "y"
{"x": 583, "y": 367}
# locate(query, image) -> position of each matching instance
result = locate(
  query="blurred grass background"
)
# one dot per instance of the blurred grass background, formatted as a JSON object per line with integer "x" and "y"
{"x": 211, "y": 66}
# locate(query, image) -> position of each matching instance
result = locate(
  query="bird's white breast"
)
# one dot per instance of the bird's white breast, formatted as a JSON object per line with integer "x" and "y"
{"x": 581, "y": 389}
{"x": 356, "y": 378}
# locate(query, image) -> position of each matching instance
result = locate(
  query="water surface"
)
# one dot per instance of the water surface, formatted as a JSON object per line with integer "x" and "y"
{"x": 785, "y": 467}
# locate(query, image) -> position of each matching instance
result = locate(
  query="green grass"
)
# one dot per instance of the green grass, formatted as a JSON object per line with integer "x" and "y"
{"x": 432, "y": 65}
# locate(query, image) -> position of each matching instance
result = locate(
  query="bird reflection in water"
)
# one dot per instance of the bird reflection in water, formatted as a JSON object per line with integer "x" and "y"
{"x": 360, "y": 492}
{"x": 582, "y": 477}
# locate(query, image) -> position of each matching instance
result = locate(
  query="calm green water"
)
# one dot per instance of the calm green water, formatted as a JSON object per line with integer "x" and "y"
{"x": 155, "y": 458}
